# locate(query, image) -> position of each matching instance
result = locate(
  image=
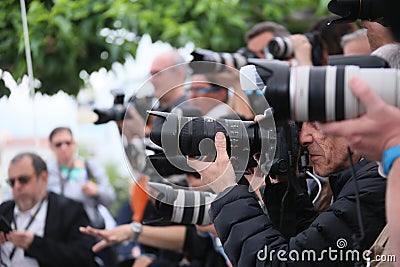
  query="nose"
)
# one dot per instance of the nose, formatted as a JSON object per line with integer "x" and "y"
{"x": 193, "y": 94}
{"x": 305, "y": 136}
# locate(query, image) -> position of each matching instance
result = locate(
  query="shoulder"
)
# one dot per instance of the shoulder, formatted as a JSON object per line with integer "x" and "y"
{"x": 63, "y": 202}
{"x": 6, "y": 206}
{"x": 368, "y": 177}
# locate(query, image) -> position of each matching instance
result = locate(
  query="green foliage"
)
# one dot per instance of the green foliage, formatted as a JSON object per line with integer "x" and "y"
{"x": 65, "y": 35}
{"x": 121, "y": 186}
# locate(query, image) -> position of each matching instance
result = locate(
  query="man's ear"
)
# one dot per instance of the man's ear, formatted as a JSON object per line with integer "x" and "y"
{"x": 44, "y": 175}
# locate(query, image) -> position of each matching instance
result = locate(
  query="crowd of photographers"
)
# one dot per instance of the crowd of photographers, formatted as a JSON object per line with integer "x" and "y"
{"x": 282, "y": 154}
{"x": 323, "y": 200}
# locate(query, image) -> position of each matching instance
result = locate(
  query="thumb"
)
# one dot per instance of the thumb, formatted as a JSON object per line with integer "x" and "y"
{"x": 100, "y": 246}
{"x": 220, "y": 144}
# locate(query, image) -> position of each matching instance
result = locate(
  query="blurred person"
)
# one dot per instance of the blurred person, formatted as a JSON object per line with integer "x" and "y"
{"x": 44, "y": 226}
{"x": 258, "y": 37}
{"x": 168, "y": 74}
{"x": 75, "y": 177}
{"x": 83, "y": 180}
{"x": 390, "y": 53}
{"x": 199, "y": 250}
{"x": 356, "y": 43}
{"x": 209, "y": 96}
{"x": 378, "y": 35}
{"x": 331, "y": 34}
{"x": 247, "y": 232}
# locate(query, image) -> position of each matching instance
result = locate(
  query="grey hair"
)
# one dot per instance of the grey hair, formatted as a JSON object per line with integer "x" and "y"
{"x": 390, "y": 53}
{"x": 352, "y": 36}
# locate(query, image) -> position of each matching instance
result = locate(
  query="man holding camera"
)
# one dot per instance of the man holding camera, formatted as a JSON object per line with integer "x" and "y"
{"x": 247, "y": 233}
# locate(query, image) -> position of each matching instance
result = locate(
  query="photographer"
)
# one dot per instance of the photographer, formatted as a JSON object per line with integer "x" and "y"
{"x": 258, "y": 37}
{"x": 376, "y": 133}
{"x": 244, "y": 229}
{"x": 247, "y": 232}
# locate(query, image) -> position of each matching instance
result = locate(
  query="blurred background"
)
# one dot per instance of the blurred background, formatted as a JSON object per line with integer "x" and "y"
{"x": 82, "y": 50}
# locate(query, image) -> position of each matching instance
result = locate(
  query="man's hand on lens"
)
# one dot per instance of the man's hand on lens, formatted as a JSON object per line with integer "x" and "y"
{"x": 219, "y": 174}
{"x": 302, "y": 49}
{"x": 375, "y": 131}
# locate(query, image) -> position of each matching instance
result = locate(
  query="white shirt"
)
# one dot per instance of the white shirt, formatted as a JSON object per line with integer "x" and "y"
{"x": 22, "y": 219}
{"x": 219, "y": 111}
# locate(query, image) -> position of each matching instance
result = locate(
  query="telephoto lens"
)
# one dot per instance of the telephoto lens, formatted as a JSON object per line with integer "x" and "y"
{"x": 282, "y": 48}
{"x": 186, "y": 136}
{"x": 235, "y": 60}
{"x": 317, "y": 93}
{"x": 182, "y": 206}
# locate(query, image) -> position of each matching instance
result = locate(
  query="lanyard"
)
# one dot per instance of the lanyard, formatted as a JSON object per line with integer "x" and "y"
{"x": 28, "y": 225}
{"x": 63, "y": 181}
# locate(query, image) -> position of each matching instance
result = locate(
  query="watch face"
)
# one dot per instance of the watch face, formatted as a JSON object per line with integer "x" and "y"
{"x": 136, "y": 227}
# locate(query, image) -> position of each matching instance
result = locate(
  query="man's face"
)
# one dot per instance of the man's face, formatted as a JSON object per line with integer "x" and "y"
{"x": 359, "y": 46}
{"x": 257, "y": 43}
{"x": 378, "y": 35}
{"x": 327, "y": 154}
{"x": 28, "y": 187}
{"x": 204, "y": 95}
{"x": 164, "y": 77}
{"x": 63, "y": 146}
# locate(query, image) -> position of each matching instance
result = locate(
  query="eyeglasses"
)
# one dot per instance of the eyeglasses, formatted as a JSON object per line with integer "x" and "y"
{"x": 22, "y": 179}
{"x": 59, "y": 144}
{"x": 204, "y": 90}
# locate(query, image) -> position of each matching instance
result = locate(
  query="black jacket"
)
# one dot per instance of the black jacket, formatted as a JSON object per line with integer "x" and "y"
{"x": 62, "y": 244}
{"x": 250, "y": 238}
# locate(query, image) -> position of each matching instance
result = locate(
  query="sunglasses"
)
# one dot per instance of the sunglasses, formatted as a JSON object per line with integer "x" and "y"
{"x": 59, "y": 144}
{"x": 204, "y": 90}
{"x": 22, "y": 179}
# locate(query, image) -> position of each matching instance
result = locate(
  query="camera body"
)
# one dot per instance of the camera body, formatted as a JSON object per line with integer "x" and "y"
{"x": 118, "y": 110}
{"x": 187, "y": 136}
{"x": 235, "y": 60}
{"x": 384, "y": 11}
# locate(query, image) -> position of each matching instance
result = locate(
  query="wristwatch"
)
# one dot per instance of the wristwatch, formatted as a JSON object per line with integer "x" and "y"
{"x": 388, "y": 157}
{"x": 137, "y": 229}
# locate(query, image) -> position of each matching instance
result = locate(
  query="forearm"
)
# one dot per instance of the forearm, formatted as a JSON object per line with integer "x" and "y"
{"x": 164, "y": 237}
{"x": 392, "y": 211}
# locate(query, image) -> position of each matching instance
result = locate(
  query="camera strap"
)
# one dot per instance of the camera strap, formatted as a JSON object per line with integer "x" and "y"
{"x": 27, "y": 226}
{"x": 294, "y": 188}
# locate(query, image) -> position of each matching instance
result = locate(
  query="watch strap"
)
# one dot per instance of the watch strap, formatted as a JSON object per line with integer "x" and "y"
{"x": 388, "y": 158}
{"x": 137, "y": 229}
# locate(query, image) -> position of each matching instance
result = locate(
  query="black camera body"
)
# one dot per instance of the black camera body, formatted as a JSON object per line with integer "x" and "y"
{"x": 118, "y": 111}
{"x": 282, "y": 48}
{"x": 187, "y": 136}
{"x": 383, "y": 11}
{"x": 223, "y": 59}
